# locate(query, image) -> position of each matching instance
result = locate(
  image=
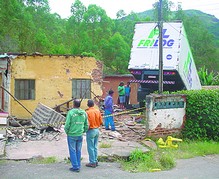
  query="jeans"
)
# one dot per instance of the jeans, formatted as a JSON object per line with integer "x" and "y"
{"x": 74, "y": 146}
{"x": 122, "y": 99}
{"x": 109, "y": 120}
{"x": 92, "y": 136}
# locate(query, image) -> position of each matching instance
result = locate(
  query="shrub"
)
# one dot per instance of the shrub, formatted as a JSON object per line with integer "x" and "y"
{"x": 202, "y": 114}
{"x": 88, "y": 54}
{"x": 207, "y": 78}
{"x": 138, "y": 155}
{"x": 149, "y": 161}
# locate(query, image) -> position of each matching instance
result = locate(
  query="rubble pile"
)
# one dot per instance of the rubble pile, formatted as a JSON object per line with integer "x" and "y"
{"x": 26, "y": 133}
{"x": 128, "y": 128}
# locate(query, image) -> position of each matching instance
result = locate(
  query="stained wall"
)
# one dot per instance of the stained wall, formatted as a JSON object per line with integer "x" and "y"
{"x": 53, "y": 79}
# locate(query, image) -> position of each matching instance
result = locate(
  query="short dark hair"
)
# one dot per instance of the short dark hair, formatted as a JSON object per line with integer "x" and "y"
{"x": 77, "y": 103}
{"x": 121, "y": 83}
{"x": 90, "y": 103}
{"x": 111, "y": 91}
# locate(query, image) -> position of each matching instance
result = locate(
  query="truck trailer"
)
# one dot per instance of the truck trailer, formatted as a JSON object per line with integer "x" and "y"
{"x": 179, "y": 70}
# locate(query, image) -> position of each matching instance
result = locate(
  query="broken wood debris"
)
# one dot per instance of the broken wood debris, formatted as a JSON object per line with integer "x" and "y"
{"x": 23, "y": 133}
{"x": 127, "y": 129}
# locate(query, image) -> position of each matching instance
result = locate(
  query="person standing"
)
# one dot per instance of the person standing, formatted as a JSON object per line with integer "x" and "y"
{"x": 92, "y": 135}
{"x": 121, "y": 92}
{"x": 108, "y": 111}
{"x": 76, "y": 124}
{"x": 127, "y": 93}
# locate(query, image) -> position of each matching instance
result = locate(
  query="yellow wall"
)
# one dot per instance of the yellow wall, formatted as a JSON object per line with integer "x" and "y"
{"x": 1, "y": 106}
{"x": 53, "y": 74}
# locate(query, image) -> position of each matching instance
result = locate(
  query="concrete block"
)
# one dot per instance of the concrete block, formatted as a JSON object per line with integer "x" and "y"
{"x": 2, "y": 148}
{"x": 3, "y": 120}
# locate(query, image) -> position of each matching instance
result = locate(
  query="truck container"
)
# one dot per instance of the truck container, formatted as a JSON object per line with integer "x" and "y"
{"x": 179, "y": 70}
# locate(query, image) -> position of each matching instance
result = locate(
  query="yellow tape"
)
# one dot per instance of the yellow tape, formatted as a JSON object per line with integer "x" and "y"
{"x": 123, "y": 112}
{"x": 54, "y": 124}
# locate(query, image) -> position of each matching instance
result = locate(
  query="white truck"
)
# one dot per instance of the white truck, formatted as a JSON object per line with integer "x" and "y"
{"x": 179, "y": 70}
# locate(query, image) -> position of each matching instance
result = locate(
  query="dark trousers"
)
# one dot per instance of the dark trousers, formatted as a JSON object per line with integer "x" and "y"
{"x": 126, "y": 100}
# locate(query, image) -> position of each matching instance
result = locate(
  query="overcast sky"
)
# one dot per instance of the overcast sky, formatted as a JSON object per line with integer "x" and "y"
{"x": 62, "y": 7}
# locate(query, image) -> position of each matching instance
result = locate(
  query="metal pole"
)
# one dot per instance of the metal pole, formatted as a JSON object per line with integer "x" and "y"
{"x": 160, "y": 25}
{"x": 16, "y": 99}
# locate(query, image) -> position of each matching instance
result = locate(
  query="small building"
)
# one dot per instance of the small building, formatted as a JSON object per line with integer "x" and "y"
{"x": 112, "y": 82}
{"x": 47, "y": 79}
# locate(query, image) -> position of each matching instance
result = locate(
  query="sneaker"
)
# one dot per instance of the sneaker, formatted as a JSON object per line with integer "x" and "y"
{"x": 74, "y": 170}
{"x": 92, "y": 165}
{"x": 97, "y": 164}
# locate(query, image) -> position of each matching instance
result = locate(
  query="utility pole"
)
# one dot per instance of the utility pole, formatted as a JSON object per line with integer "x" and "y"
{"x": 160, "y": 26}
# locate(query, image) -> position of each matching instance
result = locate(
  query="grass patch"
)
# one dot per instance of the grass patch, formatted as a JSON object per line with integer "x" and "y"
{"x": 192, "y": 149}
{"x": 167, "y": 161}
{"x": 47, "y": 160}
{"x": 2, "y": 161}
{"x": 150, "y": 161}
{"x": 141, "y": 162}
{"x": 68, "y": 161}
{"x": 165, "y": 158}
{"x": 105, "y": 145}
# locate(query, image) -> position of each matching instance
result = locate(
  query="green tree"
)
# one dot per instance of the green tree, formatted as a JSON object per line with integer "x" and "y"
{"x": 42, "y": 42}
{"x": 29, "y": 26}
{"x": 38, "y": 4}
{"x": 120, "y": 14}
{"x": 26, "y": 28}
{"x": 116, "y": 54}
{"x": 77, "y": 36}
{"x": 202, "y": 44}
{"x": 125, "y": 27}
{"x": 78, "y": 10}
{"x": 166, "y": 9}
{"x": 11, "y": 13}
{"x": 179, "y": 15}
{"x": 97, "y": 25}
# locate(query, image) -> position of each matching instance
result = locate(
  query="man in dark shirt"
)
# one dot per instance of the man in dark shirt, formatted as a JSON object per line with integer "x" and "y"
{"x": 108, "y": 111}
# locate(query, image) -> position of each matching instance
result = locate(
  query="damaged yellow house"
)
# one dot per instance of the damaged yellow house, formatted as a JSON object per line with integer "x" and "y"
{"x": 27, "y": 80}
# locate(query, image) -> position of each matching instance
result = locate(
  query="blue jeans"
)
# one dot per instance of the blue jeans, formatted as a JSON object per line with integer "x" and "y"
{"x": 92, "y": 136}
{"x": 74, "y": 146}
{"x": 109, "y": 120}
{"x": 122, "y": 99}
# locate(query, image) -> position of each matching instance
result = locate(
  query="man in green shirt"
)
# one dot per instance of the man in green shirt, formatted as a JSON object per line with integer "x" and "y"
{"x": 75, "y": 125}
{"x": 121, "y": 92}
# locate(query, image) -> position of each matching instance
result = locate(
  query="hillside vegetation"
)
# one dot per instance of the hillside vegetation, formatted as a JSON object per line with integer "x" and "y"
{"x": 28, "y": 26}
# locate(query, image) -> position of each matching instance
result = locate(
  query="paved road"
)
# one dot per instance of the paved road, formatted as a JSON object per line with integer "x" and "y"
{"x": 196, "y": 168}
